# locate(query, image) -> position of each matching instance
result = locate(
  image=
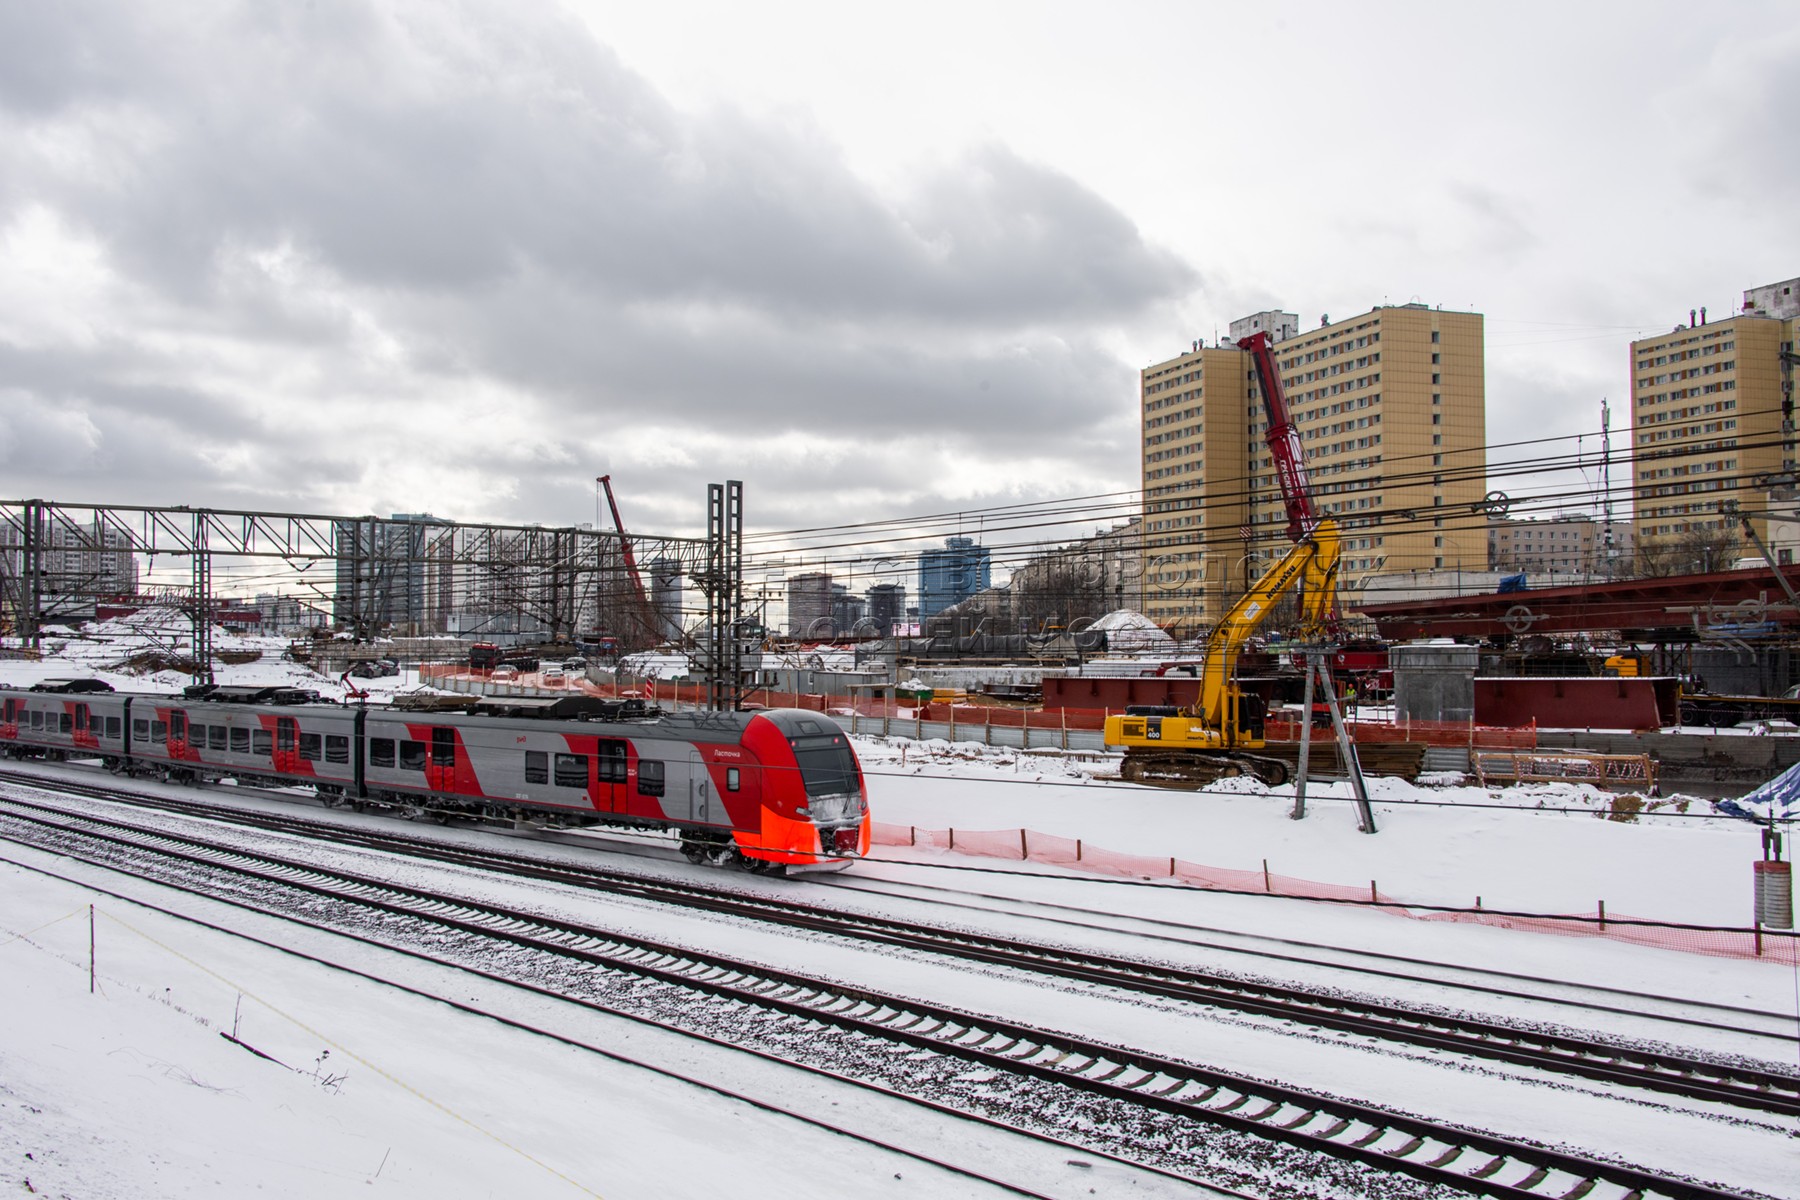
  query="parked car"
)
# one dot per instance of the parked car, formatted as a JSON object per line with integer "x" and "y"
{"x": 504, "y": 672}
{"x": 575, "y": 666}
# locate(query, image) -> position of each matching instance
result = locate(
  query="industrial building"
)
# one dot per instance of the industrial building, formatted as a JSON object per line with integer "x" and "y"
{"x": 1391, "y": 409}
{"x": 1712, "y": 414}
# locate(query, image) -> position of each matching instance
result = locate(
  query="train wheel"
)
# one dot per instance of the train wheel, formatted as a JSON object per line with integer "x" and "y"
{"x": 694, "y": 852}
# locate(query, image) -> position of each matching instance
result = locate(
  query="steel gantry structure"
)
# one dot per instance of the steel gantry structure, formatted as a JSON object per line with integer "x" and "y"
{"x": 56, "y": 557}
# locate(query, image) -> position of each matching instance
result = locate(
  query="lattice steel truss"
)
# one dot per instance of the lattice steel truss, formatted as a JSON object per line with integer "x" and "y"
{"x": 369, "y": 573}
{"x": 723, "y": 582}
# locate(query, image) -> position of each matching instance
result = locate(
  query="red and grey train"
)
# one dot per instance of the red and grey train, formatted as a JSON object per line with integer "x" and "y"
{"x": 768, "y": 789}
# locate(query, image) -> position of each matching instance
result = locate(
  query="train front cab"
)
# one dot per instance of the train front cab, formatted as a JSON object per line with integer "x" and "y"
{"x": 815, "y": 808}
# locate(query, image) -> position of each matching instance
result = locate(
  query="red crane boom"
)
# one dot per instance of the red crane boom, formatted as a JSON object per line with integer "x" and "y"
{"x": 1283, "y": 439}
{"x": 631, "y": 567}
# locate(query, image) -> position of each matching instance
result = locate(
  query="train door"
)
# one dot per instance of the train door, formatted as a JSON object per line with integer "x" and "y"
{"x": 440, "y": 766}
{"x": 611, "y": 773}
{"x": 83, "y": 732}
{"x": 700, "y": 803}
{"x": 178, "y": 735}
{"x": 286, "y": 756}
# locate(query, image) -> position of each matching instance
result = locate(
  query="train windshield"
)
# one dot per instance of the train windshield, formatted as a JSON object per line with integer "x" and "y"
{"x": 827, "y": 767}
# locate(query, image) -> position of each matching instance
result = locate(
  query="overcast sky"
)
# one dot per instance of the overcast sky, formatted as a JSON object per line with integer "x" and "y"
{"x": 464, "y": 257}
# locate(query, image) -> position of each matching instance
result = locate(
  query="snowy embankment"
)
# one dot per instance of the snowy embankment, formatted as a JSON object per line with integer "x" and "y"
{"x": 1539, "y": 848}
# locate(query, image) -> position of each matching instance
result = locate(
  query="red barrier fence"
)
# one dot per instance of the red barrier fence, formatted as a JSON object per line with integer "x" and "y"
{"x": 1028, "y": 845}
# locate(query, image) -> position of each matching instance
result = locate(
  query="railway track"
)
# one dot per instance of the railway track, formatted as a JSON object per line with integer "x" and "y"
{"x": 1611, "y": 1061}
{"x": 1188, "y": 1116}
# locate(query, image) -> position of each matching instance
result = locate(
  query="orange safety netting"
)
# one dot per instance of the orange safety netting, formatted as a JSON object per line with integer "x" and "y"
{"x": 1019, "y": 845}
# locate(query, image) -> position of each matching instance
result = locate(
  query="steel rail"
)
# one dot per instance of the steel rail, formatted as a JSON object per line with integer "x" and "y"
{"x": 1432, "y": 1152}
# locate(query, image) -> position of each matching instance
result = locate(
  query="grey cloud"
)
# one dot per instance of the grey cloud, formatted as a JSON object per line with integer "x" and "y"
{"x": 475, "y": 209}
{"x": 406, "y": 160}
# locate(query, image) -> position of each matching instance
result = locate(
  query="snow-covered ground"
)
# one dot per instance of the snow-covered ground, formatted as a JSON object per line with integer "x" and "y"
{"x": 131, "y": 1091}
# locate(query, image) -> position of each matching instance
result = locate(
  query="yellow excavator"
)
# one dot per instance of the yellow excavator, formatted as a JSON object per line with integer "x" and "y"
{"x": 1219, "y": 734}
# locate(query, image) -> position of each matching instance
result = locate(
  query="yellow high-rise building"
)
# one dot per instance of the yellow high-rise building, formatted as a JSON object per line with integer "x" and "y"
{"x": 1391, "y": 409}
{"x": 1712, "y": 420}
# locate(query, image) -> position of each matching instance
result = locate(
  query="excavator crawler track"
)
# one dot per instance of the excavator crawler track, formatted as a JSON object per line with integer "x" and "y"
{"x": 1193, "y": 769}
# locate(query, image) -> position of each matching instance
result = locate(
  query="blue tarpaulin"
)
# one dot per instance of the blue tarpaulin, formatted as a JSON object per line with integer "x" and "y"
{"x": 1780, "y": 797}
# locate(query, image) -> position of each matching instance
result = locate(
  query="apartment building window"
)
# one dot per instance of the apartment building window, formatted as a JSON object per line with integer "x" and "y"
{"x": 1436, "y": 358}
{"x": 1437, "y": 439}
{"x": 1436, "y": 379}
{"x": 1437, "y": 418}
{"x": 1434, "y": 337}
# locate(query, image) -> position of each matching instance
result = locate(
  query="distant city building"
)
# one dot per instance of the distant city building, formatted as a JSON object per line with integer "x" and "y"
{"x": 1559, "y": 546}
{"x": 386, "y": 580}
{"x": 952, "y": 575}
{"x": 77, "y": 565}
{"x": 284, "y": 614}
{"x": 809, "y": 605}
{"x": 1391, "y": 408}
{"x": 847, "y": 611}
{"x": 887, "y": 607}
{"x": 1084, "y": 579}
{"x": 1707, "y": 405}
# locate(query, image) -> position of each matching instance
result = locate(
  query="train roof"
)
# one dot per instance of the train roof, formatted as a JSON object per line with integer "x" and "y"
{"x": 71, "y": 686}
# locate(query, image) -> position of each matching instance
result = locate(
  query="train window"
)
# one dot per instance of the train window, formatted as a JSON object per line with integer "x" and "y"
{"x": 827, "y": 767}
{"x": 115, "y": 728}
{"x": 216, "y": 737}
{"x": 337, "y": 747}
{"x": 240, "y": 741}
{"x": 731, "y": 779}
{"x": 140, "y": 728}
{"x": 312, "y": 747}
{"x": 37, "y": 720}
{"x": 571, "y": 770}
{"x": 68, "y": 723}
{"x": 650, "y": 778}
{"x": 412, "y": 756}
{"x": 537, "y": 766}
{"x": 610, "y": 766}
{"x": 381, "y": 752}
{"x": 159, "y": 731}
{"x": 262, "y": 742}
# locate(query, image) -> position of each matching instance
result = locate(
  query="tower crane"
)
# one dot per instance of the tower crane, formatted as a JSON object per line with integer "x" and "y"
{"x": 1221, "y": 732}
